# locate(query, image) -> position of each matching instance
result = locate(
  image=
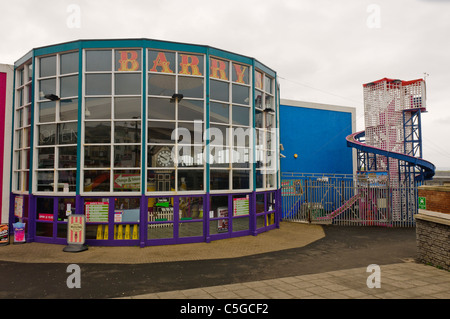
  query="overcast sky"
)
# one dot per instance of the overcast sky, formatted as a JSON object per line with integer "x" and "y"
{"x": 323, "y": 51}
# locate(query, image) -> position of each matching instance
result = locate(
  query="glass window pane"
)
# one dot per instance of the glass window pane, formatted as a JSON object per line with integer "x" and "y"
{"x": 96, "y": 181}
{"x": 98, "y": 84}
{"x": 190, "y": 180}
{"x": 219, "y": 90}
{"x": 218, "y": 135}
{"x": 161, "y": 180}
{"x": 189, "y": 155}
{"x": 97, "y": 156}
{"x": 127, "y": 181}
{"x": 98, "y": 108}
{"x": 69, "y": 63}
{"x": 46, "y": 157}
{"x": 67, "y": 181}
{"x": 219, "y": 206}
{"x": 64, "y": 205}
{"x": 189, "y": 133}
{"x": 46, "y": 87}
{"x": 258, "y": 80}
{"x": 47, "y": 134}
{"x": 240, "y": 157}
{"x": 258, "y": 99}
{"x": 270, "y": 180}
{"x": 45, "y": 181}
{"x": 219, "y": 69}
{"x": 68, "y": 110}
{"x": 127, "y": 60}
{"x": 189, "y": 64}
{"x": 27, "y": 136}
{"x": 160, "y": 132}
{"x": 127, "y": 132}
{"x": 68, "y": 133}
{"x": 47, "y": 66}
{"x": 44, "y": 205}
{"x": 219, "y": 157}
{"x": 219, "y": 112}
{"x": 160, "y": 209}
{"x": 240, "y": 224}
{"x": 241, "y": 115}
{"x": 241, "y": 136}
{"x": 219, "y": 179}
{"x": 127, "y": 84}
{"x": 259, "y": 119}
{"x": 269, "y": 102}
{"x": 190, "y": 87}
{"x": 190, "y": 229}
{"x": 97, "y": 132}
{"x": 159, "y": 61}
{"x": 67, "y": 157}
{"x": 161, "y": 109}
{"x": 47, "y": 111}
{"x": 268, "y": 84}
{"x": 99, "y": 60}
{"x": 69, "y": 86}
{"x": 159, "y": 84}
{"x": 259, "y": 179}
{"x": 241, "y": 94}
{"x": 241, "y": 179}
{"x": 127, "y": 156}
{"x": 190, "y": 110}
{"x": 160, "y": 156}
{"x": 191, "y": 207}
{"x": 127, "y": 108}
{"x": 240, "y": 73}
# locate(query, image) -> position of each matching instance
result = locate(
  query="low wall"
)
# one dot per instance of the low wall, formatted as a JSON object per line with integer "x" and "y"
{"x": 433, "y": 238}
{"x": 433, "y": 226}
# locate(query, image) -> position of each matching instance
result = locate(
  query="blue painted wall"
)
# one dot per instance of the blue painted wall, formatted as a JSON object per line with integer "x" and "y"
{"x": 318, "y": 137}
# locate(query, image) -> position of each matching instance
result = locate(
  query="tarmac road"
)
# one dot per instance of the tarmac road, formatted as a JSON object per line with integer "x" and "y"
{"x": 328, "y": 248}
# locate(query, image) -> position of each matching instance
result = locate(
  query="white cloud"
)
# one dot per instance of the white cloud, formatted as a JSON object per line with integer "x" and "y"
{"x": 324, "y": 50}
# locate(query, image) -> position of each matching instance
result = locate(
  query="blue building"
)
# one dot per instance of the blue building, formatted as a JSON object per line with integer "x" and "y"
{"x": 312, "y": 136}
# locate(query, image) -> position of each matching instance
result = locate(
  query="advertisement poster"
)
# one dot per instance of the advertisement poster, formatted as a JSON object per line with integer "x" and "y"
{"x": 4, "y": 238}
{"x": 19, "y": 232}
{"x": 222, "y": 224}
{"x": 18, "y": 206}
{"x": 97, "y": 211}
{"x": 76, "y": 229}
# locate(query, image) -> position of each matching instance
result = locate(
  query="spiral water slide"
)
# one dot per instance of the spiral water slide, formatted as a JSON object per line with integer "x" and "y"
{"x": 426, "y": 173}
{"x": 427, "y": 168}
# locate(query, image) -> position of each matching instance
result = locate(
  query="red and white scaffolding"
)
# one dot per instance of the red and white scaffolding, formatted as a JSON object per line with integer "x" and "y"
{"x": 392, "y": 111}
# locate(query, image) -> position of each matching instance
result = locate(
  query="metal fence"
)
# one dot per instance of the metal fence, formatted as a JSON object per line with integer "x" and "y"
{"x": 346, "y": 200}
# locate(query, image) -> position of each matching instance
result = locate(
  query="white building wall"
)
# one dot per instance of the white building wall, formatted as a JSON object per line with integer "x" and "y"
{"x": 8, "y": 126}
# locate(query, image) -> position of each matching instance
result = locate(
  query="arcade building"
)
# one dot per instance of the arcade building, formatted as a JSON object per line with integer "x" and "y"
{"x": 153, "y": 142}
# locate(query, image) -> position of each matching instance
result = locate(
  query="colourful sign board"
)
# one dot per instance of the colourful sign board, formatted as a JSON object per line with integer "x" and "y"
{"x": 422, "y": 203}
{"x": 241, "y": 206}
{"x": 76, "y": 227}
{"x": 96, "y": 211}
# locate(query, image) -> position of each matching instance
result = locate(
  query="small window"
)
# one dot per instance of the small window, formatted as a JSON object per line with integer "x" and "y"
{"x": 98, "y": 60}
{"x": 47, "y": 66}
{"x": 69, "y": 63}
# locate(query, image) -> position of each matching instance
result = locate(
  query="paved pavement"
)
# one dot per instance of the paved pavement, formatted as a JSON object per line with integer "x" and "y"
{"x": 297, "y": 261}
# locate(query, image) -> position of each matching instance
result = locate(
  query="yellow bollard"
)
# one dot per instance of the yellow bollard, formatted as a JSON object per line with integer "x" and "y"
{"x": 120, "y": 232}
{"x": 99, "y": 232}
{"x": 135, "y": 231}
{"x": 127, "y": 231}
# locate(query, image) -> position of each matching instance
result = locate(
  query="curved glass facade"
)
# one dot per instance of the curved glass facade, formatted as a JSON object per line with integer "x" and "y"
{"x": 154, "y": 142}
